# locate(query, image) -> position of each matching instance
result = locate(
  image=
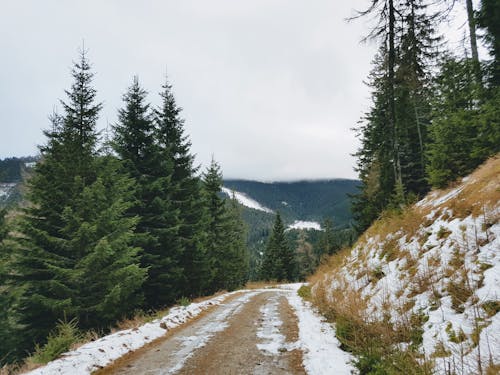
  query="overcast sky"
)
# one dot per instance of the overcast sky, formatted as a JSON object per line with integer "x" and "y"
{"x": 270, "y": 87}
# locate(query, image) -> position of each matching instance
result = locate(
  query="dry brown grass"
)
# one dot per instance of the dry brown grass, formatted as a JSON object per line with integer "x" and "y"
{"x": 481, "y": 191}
{"x": 356, "y": 328}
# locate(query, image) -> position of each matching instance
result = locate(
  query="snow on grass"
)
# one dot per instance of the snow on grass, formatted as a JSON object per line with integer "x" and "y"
{"x": 246, "y": 200}
{"x": 99, "y": 353}
{"x": 269, "y": 331}
{"x": 459, "y": 331}
{"x": 321, "y": 349}
{"x": 299, "y": 224}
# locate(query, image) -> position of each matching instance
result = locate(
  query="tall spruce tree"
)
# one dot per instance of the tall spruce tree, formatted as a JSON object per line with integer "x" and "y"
{"x": 225, "y": 247}
{"x": 216, "y": 242}
{"x": 74, "y": 224}
{"x": 279, "y": 260}
{"x": 237, "y": 257}
{"x": 186, "y": 194}
{"x": 137, "y": 145}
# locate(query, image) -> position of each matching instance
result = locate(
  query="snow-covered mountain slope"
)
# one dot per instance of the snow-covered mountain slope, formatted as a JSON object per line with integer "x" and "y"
{"x": 299, "y": 224}
{"x": 426, "y": 283}
{"x": 245, "y": 200}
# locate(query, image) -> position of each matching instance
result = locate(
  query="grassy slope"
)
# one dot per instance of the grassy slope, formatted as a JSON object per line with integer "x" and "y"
{"x": 420, "y": 291}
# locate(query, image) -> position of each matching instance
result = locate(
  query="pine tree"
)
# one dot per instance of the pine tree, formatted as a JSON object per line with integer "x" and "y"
{"x": 75, "y": 218}
{"x": 98, "y": 225}
{"x": 327, "y": 244}
{"x": 279, "y": 260}
{"x": 306, "y": 261}
{"x": 237, "y": 258}
{"x": 454, "y": 125}
{"x": 136, "y": 143}
{"x": 392, "y": 157}
{"x": 226, "y": 249}
{"x": 186, "y": 194}
{"x": 216, "y": 242}
{"x": 488, "y": 20}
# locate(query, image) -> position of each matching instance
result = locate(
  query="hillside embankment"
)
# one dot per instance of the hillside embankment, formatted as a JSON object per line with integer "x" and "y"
{"x": 419, "y": 293}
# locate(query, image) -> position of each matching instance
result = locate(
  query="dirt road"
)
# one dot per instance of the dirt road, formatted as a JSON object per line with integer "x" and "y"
{"x": 253, "y": 332}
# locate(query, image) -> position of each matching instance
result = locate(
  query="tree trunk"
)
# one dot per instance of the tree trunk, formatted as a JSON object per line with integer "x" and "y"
{"x": 392, "y": 104}
{"x": 473, "y": 40}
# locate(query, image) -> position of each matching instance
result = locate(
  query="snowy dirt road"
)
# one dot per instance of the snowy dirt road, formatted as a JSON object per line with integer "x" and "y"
{"x": 265, "y": 331}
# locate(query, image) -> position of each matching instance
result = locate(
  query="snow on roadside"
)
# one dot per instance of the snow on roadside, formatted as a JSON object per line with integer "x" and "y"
{"x": 246, "y": 200}
{"x": 99, "y": 353}
{"x": 322, "y": 353}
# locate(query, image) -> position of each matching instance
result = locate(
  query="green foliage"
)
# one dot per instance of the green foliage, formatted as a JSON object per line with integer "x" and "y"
{"x": 279, "y": 260}
{"x": 75, "y": 225}
{"x": 59, "y": 341}
{"x": 146, "y": 161}
{"x": 489, "y": 14}
{"x": 305, "y": 292}
{"x": 186, "y": 195}
{"x": 226, "y": 249}
{"x": 184, "y": 301}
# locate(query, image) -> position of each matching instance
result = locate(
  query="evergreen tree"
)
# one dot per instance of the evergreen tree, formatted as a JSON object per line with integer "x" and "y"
{"x": 489, "y": 21}
{"x": 454, "y": 125}
{"x": 136, "y": 143}
{"x": 9, "y": 350}
{"x": 216, "y": 241}
{"x": 392, "y": 157}
{"x": 75, "y": 219}
{"x": 327, "y": 244}
{"x": 237, "y": 257}
{"x": 186, "y": 194}
{"x": 306, "y": 261}
{"x": 279, "y": 260}
{"x": 375, "y": 156}
{"x": 226, "y": 249}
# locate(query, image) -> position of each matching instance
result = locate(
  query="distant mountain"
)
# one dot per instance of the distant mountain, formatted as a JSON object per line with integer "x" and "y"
{"x": 301, "y": 200}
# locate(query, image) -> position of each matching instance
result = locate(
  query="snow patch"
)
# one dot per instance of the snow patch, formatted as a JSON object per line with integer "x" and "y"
{"x": 246, "y": 200}
{"x": 99, "y": 353}
{"x": 322, "y": 353}
{"x": 299, "y": 224}
{"x": 269, "y": 331}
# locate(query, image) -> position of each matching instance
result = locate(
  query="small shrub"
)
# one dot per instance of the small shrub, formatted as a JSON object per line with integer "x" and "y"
{"x": 443, "y": 233}
{"x": 491, "y": 307}
{"x": 390, "y": 250}
{"x": 376, "y": 274}
{"x": 59, "y": 341}
{"x": 456, "y": 337}
{"x": 305, "y": 292}
{"x": 184, "y": 301}
{"x": 440, "y": 351}
{"x": 459, "y": 293}
{"x": 485, "y": 266}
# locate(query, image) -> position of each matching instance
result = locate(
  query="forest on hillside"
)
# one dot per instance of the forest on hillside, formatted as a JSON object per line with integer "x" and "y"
{"x": 435, "y": 111}
{"x": 129, "y": 204}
